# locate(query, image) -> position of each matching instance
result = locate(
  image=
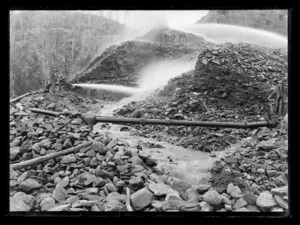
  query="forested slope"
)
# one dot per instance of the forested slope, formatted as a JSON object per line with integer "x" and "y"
{"x": 67, "y": 41}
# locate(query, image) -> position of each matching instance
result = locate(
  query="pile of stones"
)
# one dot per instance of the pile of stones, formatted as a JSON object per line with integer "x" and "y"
{"x": 230, "y": 83}
{"x": 121, "y": 64}
{"x": 258, "y": 165}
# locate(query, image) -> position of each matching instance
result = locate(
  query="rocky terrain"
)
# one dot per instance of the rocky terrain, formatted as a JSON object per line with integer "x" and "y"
{"x": 121, "y": 64}
{"x": 271, "y": 20}
{"x": 111, "y": 175}
{"x": 258, "y": 166}
{"x": 229, "y": 83}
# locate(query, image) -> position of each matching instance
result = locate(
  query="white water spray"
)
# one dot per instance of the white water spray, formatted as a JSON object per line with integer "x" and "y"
{"x": 107, "y": 87}
{"x": 157, "y": 74}
{"x": 153, "y": 76}
{"x": 221, "y": 33}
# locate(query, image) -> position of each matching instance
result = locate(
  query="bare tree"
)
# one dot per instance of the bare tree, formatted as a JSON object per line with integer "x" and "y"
{"x": 12, "y": 52}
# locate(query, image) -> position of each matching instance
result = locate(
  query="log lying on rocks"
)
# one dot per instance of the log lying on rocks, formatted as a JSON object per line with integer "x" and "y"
{"x": 94, "y": 119}
{"x": 37, "y": 160}
{"x": 142, "y": 121}
{"x": 20, "y": 97}
{"x": 45, "y": 112}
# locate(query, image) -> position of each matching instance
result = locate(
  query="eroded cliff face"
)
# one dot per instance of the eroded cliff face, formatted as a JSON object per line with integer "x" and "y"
{"x": 271, "y": 20}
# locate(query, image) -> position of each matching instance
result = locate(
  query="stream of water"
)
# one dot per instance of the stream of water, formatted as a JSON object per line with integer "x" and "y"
{"x": 221, "y": 33}
{"x": 189, "y": 165}
{"x": 108, "y": 87}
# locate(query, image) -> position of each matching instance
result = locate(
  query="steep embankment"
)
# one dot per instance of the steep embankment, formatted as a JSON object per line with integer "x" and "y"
{"x": 121, "y": 64}
{"x": 271, "y": 20}
{"x": 229, "y": 83}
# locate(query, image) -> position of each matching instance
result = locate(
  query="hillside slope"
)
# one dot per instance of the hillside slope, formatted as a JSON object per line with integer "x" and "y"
{"x": 271, "y": 20}
{"x": 121, "y": 64}
{"x": 230, "y": 82}
{"x": 67, "y": 41}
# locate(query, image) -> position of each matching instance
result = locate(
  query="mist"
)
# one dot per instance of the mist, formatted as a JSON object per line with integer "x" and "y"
{"x": 153, "y": 76}
{"x": 147, "y": 20}
{"x": 220, "y": 33}
{"x": 157, "y": 74}
{"x": 107, "y": 87}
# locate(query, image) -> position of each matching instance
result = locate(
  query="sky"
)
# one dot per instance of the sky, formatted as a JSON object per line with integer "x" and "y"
{"x": 170, "y": 17}
{"x": 145, "y": 19}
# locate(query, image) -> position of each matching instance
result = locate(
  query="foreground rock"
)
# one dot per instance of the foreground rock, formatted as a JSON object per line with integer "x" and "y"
{"x": 265, "y": 201}
{"x": 212, "y": 197}
{"x": 21, "y": 202}
{"x": 141, "y": 199}
{"x": 159, "y": 189}
{"x": 29, "y": 185}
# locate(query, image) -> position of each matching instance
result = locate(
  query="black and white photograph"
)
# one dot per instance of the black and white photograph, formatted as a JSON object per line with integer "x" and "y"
{"x": 149, "y": 111}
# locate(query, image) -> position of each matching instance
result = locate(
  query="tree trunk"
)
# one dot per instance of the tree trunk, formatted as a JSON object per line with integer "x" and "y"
{"x": 12, "y": 50}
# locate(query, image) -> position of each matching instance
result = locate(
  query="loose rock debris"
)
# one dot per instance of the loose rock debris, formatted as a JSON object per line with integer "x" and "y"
{"x": 110, "y": 175}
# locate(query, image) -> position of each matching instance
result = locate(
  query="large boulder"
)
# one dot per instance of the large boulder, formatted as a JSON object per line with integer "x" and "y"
{"x": 265, "y": 201}
{"x": 116, "y": 196}
{"x": 47, "y": 204}
{"x": 29, "y": 185}
{"x": 141, "y": 199}
{"x": 136, "y": 183}
{"x": 240, "y": 203}
{"x": 21, "y": 202}
{"x": 59, "y": 193}
{"x": 250, "y": 198}
{"x": 212, "y": 197}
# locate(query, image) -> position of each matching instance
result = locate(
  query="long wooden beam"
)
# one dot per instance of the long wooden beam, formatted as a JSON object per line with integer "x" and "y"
{"x": 181, "y": 122}
{"x": 20, "y": 97}
{"x": 45, "y": 112}
{"x": 37, "y": 160}
{"x": 90, "y": 119}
